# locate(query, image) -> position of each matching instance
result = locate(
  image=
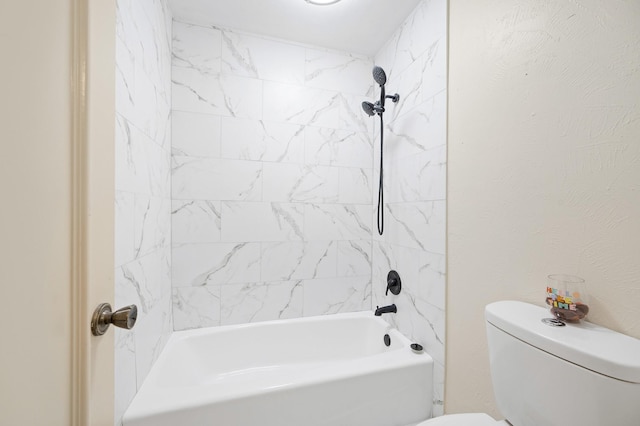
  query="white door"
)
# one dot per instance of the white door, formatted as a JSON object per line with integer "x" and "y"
{"x": 56, "y": 219}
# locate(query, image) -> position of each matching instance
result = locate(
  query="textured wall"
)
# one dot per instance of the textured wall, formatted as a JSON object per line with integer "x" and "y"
{"x": 143, "y": 189}
{"x": 271, "y": 179}
{"x": 544, "y": 167}
{"x": 415, "y": 157}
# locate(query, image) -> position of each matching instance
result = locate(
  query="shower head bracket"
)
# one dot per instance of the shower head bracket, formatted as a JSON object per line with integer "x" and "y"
{"x": 394, "y": 98}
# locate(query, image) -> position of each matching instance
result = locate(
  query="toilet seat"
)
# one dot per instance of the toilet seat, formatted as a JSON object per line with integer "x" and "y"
{"x": 471, "y": 419}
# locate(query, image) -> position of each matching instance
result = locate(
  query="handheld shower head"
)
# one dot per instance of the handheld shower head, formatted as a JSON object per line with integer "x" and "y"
{"x": 378, "y": 108}
{"x": 379, "y": 75}
{"x": 369, "y": 108}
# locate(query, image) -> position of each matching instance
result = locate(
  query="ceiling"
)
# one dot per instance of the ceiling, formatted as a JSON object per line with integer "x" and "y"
{"x": 356, "y": 26}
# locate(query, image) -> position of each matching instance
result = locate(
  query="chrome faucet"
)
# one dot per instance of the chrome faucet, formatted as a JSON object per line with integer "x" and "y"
{"x": 386, "y": 310}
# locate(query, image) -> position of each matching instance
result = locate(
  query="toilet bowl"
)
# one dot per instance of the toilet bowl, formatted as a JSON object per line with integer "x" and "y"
{"x": 537, "y": 364}
{"x": 472, "y": 419}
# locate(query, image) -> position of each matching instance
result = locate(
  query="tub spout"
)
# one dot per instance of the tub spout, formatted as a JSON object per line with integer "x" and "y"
{"x": 386, "y": 310}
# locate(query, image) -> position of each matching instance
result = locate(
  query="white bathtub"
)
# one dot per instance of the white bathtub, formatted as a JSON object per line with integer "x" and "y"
{"x": 330, "y": 370}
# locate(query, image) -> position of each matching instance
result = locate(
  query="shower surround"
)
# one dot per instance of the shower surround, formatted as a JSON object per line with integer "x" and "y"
{"x": 246, "y": 186}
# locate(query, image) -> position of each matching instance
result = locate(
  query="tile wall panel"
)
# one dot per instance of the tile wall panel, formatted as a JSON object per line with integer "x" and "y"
{"x": 271, "y": 174}
{"x": 415, "y": 181}
{"x": 143, "y": 189}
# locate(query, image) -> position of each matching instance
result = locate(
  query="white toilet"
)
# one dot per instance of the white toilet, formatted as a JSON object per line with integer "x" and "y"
{"x": 545, "y": 373}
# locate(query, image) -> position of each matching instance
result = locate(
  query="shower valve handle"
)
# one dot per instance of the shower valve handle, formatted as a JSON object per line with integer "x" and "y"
{"x": 393, "y": 283}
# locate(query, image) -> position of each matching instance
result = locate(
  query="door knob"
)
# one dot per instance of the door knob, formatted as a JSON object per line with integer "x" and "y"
{"x": 103, "y": 317}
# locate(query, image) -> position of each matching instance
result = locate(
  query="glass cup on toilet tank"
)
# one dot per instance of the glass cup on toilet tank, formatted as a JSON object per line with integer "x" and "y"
{"x": 567, "y": 297}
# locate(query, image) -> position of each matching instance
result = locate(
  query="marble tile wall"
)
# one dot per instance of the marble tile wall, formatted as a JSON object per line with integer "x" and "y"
{"x": 415, "y": 181}
{"x": 246, "y": 188}
{"x": 271, "y": 179}
{"x": 143, "y": 189}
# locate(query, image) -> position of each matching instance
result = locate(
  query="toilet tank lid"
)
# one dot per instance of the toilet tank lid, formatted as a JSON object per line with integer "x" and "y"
{"x": 593, "y": 347}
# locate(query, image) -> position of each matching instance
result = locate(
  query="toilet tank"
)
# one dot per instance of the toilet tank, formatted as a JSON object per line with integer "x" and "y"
{"x": 577, "y": 374}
